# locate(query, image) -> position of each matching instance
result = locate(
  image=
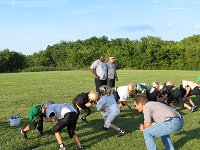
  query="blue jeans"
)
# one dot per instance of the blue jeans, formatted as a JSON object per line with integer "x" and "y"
{"x": 163, "y": 130}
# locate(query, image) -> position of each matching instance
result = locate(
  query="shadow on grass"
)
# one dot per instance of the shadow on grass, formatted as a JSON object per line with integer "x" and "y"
{"x": 127, "y": 120}
{"x": 188, "y": 135}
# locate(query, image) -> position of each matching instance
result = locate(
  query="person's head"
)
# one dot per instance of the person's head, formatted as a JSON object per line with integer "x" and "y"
{"x": 155, "y": 84}
{"x": 139, "y": 101}
{"x": 105, "y": 90}
{"x": 111, "y": 59}
{"x": 102, "y": 57}
{"x": 93, "y": 96}
{"x": 170, "y": 83}
{"x": 45, "y": 105}
{"x": 132, "y": 88}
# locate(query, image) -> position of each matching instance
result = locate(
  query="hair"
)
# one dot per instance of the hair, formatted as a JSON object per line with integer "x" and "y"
{"x": 52, "y": 114}
{"x": 140, "y": 99}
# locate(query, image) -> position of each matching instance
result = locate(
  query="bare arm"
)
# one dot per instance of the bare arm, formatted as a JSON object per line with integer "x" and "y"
{"x": 93, "y": 73}
{"x": 145, "y": 125}
{"x": 187, "y": 91}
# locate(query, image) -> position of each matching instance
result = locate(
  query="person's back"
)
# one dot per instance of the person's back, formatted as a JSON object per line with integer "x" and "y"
{"x": 60, "y": 110}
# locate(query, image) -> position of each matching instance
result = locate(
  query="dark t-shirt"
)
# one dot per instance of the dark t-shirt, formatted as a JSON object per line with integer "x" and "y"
{"x": 81, "y": 99}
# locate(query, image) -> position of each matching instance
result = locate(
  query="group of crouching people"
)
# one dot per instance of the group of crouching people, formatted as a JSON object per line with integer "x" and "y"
{"x": 160, "y": 120}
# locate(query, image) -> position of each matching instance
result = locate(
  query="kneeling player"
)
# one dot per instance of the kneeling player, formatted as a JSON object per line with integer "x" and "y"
{"x": 67, "y": 116}
{"x": 109, "y": 109}
{"x": 81, "y": 100}
{"x": 36, "y": 114}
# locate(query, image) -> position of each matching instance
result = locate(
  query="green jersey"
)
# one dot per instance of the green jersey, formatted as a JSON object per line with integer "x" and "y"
{"x": 143, "y": 88}
{"x": 34, "y": 112}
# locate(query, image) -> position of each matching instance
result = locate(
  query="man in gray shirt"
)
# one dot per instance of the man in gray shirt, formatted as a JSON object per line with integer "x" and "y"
{"x": 99, "y": 70}
{"x": 112, "y": 72}
{"x": 159, "y": 121}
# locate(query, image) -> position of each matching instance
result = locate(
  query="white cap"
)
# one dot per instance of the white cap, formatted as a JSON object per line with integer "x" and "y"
{"x": 111, "y": 57}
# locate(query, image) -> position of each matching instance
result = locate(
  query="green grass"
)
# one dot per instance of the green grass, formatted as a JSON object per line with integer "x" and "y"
{"x": 20, "y": 91}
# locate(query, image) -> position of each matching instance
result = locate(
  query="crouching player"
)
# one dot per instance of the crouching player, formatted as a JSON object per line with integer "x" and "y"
{"x": 166, "y": 121}
{"x": 122, "y": 93}
{"x": 36, "y": 114}
{"x": 109, "y": 109}
{"x": 190, "y": 88}
{"x": 143, "y": 88}
{"x": 67, "y": 116}
{"x": 81, "y": 100}
{"x": 172, "y": 94}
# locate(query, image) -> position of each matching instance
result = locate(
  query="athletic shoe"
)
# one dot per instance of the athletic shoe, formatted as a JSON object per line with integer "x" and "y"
{"x": 120, "y": 132}
{"x": 62, "y": 148}
{"x": 24, "y": 134}
{"x": 79, "y": 148}
{"x": 83, "y": 120}
{"x": 192, "y": 108}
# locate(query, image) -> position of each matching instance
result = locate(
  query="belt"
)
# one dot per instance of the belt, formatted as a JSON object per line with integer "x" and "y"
{"x": 170, "y": 118}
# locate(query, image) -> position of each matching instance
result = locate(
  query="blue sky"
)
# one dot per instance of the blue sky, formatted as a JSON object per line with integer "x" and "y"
{"x": 28, "y": 26}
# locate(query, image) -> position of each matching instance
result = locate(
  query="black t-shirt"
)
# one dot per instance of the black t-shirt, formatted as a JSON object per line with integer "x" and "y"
{"x": 171, "y": 91}
{"x": 81, "y": 99}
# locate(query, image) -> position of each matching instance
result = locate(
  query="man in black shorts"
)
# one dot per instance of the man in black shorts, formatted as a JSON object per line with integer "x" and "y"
{"x": 81, "y": 100}
{"x": 67, "y": 116}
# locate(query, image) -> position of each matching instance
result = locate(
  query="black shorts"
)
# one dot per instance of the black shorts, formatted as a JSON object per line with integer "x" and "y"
{"x": 111, "y": 83}
{"x": 195, "y": 91}
{"x": 37, "y": 123}
{"x": 69, "y": 121}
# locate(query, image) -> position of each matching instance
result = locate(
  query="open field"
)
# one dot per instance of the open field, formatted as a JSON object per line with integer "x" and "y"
{"x": 20, "y": 91}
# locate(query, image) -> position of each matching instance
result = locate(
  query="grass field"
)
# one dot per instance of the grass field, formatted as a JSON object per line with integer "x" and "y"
{"x": 20, "y": 91}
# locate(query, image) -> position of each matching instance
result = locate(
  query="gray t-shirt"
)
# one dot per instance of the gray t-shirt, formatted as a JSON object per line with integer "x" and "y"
{"x": 101, "y": 69}
{"x": 112, "y": 73}
{"x": 158, "y": 112}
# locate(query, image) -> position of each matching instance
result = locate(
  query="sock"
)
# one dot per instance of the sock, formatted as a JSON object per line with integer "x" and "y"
{"x": 118, "y": 129}
{"x": 61, "y": 145}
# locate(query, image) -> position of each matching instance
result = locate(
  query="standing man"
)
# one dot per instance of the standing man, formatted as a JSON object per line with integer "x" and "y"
{"x": 159, "y": 121}
{"x": 99, "y": 71}
{"x": 112, "y": 72}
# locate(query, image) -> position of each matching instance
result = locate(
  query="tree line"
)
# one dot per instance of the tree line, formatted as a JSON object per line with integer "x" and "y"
{"x": 150, "y": 52}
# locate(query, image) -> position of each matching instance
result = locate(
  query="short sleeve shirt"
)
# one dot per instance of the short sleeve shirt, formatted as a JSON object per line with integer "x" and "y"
{"x": 112, "y": 67}
{"x": 158, "y": 112}
{"x": 81, "y": 99}
{"x": 101, "y": 69}
{"x": 123, "y": 93}
{"x": 186, "y": 83}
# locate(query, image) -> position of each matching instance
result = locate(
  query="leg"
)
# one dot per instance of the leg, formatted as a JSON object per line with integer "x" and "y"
{"x": 167, "y": 142}
{"x": 161, "y": 130}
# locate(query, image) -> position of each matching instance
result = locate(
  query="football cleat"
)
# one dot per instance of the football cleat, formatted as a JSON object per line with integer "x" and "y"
{"x": 23, "y": 133}
{"x": 79, "y": 148}
{"x": 84, "y": 120}
{"x": 120, "y": 132}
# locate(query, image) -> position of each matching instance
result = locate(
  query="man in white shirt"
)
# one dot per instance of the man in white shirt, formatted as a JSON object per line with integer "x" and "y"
{"x": 67, "y": 117}
{"x": 99, "y": 71}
